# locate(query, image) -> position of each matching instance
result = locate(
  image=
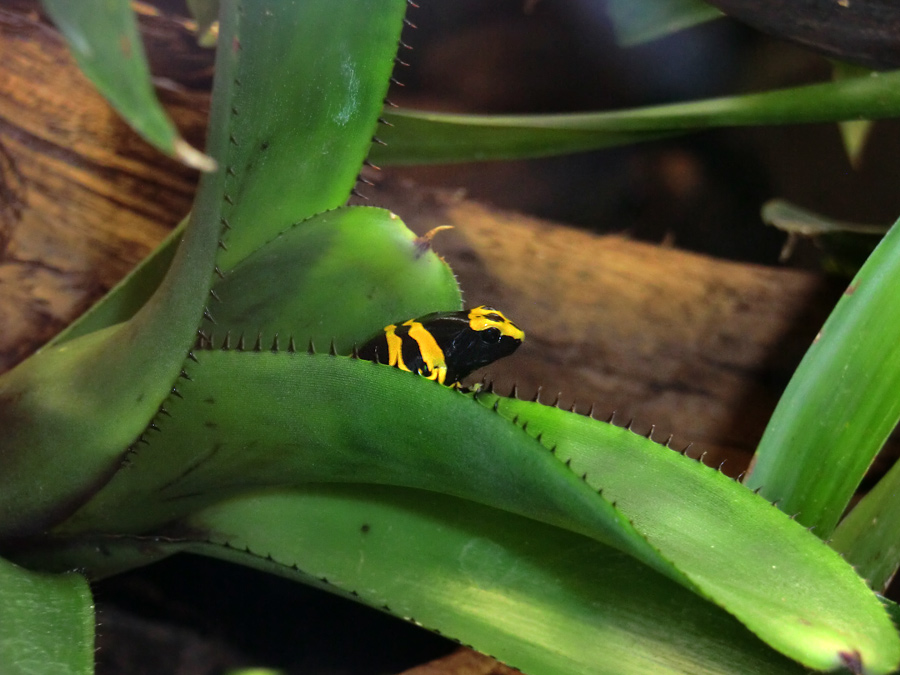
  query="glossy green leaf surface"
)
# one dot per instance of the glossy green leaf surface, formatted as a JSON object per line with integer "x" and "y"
{"x": 842, "y": 402}
{"x": 538, "y": 598}
{"x": 339, "y": 276}
{"x": 104, "y": 40}
{"x": 869, "y": 536}
{"x": 46, "y": 622}
{"x": 94, "y": 396}
{"x": 419, "y": 137}
{"x": 250, "y": 420}
{"x": 69, "y": 413}
{"x": 308, "y": 90}
{"x": 638, "y": 21}
{"x": 255, "y": 419}
{"x": 748, "y": 557}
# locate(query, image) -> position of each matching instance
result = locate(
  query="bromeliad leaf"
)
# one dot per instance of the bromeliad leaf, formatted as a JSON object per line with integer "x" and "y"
{"x": 420, "y": 137}
{"x": 869, "y": 536}
{"x": 93, "y": 396}
{"x": 104, "y": 39}
{"x": 335, "y": 278}
{"x": 747, "y": 557}
{"x": 46, "y": 622}
{"x": 307, "y": 93}
{"x": 536, "y": 597}
{"x": 689, "y": 522}
{"x": 842, "y": 401}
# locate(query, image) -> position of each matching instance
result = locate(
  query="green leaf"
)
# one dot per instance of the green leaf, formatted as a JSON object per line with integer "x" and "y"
{"x": 419, "y": 137}
{"x": 749, "y": 558}
{"x": 842, "y": 402}
{"x": 539, "y": 597}
{"x": 638, "y": 21}
{"x": 845, "y": 246}
{"x": 794, "y": 219}
{"x": 250, "y": 420}
{"x": 298, "y": 131}
{"x": 256, "y": 418}
{"x": 869, "y": 537}
{"x": 854, "y": 133}
{"x": 536, "y": 597}
{"x": 95, "y": 396}
{"x": 307, "y": 93}
{"x": 69, "y": 413}
{"x": 336, "y": 278}
{"x": 46, "y": 622}
{"x": 104, "y": 40}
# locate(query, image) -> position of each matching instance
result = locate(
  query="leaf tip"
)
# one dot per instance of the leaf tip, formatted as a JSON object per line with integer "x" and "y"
{"x": 190, "y": 156}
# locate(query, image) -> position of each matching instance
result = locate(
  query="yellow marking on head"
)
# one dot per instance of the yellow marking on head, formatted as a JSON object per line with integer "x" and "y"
{"x": 432, "y": 354}
{"x": 395, "y": 347}
{"x": 482, "y": 318}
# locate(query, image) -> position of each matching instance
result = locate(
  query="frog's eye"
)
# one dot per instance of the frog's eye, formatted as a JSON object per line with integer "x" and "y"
{"x": 490, "y": 335}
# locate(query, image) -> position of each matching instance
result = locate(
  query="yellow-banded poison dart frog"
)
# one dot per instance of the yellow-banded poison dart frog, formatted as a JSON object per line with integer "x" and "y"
{"x": 445, "y": 346}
